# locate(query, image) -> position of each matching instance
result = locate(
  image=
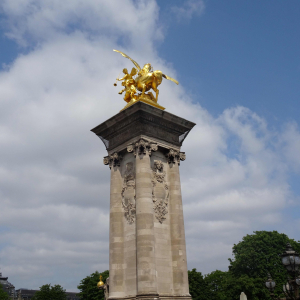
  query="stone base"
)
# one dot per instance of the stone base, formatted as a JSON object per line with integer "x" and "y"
{"x": 153, "y": 297}
{"x": 147, "y": 98}
{"x": 175, "y": 297}
{"x": 147, "y": 297}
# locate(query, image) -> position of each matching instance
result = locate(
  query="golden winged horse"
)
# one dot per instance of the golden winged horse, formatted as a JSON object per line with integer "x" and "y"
{"x": 146, "y": 78}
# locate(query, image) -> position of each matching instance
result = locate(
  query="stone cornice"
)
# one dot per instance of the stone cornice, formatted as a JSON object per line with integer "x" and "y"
{"x": 143, "y": 119}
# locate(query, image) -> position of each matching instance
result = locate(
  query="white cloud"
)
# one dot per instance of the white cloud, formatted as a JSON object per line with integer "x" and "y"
{"x": 38, "y": 21}
{"x": 290, "y": 140}
{"x": 54, "y": 189}
{"x": 188, "y": 9}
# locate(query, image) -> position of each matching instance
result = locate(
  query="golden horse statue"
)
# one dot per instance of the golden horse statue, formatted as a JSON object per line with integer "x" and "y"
{"x": 146, "y": 79}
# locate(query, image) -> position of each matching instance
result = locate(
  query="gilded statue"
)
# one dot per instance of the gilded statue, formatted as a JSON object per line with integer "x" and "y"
{"x": 129, "y": 85}
{"x": 145, "y": 80}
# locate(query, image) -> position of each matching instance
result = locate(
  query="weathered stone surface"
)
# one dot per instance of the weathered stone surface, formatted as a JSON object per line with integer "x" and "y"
{"x": 147, "y": 240}
{"x": 116, "y": 237}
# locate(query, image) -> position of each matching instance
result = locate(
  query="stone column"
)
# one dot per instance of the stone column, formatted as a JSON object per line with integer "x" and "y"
{"x": 180, "y": 275}
{"x": 146, "y": 267}
{"x": 147, "y": 242}
{"x": 116, "y": 233}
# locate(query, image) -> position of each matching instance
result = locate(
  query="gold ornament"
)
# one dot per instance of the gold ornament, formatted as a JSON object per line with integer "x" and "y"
{"x": 146, "y": 79}
{"x": 100, "y": 283}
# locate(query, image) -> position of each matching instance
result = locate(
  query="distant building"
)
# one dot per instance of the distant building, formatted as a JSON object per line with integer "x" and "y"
{"x": 26, "y": 294}
{"x": 7, "y": 286}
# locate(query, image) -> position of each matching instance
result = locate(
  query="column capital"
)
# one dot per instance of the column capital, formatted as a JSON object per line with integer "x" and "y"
{"x": 142, "y": 147}
{"x": 113, "y": 160}
{"x": 175, "y": 156}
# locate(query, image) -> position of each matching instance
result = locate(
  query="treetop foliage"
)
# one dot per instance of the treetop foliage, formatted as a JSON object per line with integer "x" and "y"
{"x": 254, "y": 257}
{"x": 197, "y": 285}
{"x": 259, "y": 254}
{"x": 88, "y": 286}
{"x": 3, "y": 294}
{"x": 48, "y": 292}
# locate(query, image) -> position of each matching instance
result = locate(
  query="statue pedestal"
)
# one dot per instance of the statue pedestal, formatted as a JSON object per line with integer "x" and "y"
{"x": 147, "y": 98}
{"x": 147, "y": 239}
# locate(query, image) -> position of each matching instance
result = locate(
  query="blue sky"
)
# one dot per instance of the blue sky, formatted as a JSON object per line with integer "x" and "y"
{"x": 238, "y": 66}
{"x": 239, "y": 53}
{"x": 9, "y": 50}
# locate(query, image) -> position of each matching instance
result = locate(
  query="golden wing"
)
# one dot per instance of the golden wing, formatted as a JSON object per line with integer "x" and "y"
{"x": 170, "y": 78}
{"x": 134, "y": 62}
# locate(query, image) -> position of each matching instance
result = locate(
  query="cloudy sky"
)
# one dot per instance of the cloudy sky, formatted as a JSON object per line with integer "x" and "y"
{"x": 238, "y": 65}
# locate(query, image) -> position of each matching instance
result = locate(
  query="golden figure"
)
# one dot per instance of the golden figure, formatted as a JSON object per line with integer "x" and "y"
{"x": 129, "y": 85}
{"x": 146, "y": 79}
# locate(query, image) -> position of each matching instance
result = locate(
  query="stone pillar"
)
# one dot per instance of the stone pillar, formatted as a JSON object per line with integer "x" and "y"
{"x": 116, "y": 233}
{"x": 180, "y": 275}
{"x": 145, "y": 241}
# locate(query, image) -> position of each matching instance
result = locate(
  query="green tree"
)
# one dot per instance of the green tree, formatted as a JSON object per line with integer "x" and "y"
{"x": 88, "y": 286}
{"x": 197, "y": 285}
{"x": 3, "y": 294}
{"x": 48, "y": 292}
{"x": 224, "y": 286}
{"x": 217, "y": 284}
{"x": 255, "y": 256}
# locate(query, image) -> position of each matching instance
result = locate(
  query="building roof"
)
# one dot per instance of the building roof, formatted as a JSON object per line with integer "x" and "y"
{"x": 26, "y": 292}
{"x": 3, "y": 278}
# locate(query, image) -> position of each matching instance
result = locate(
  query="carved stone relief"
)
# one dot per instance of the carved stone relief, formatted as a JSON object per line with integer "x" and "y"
{"x": 113, "y": 160}
{"x": 128, "y": 193}
{"x": 142, "y": 147}
{"x": 175, "y": 156}
{"x": 160, "y": 191}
